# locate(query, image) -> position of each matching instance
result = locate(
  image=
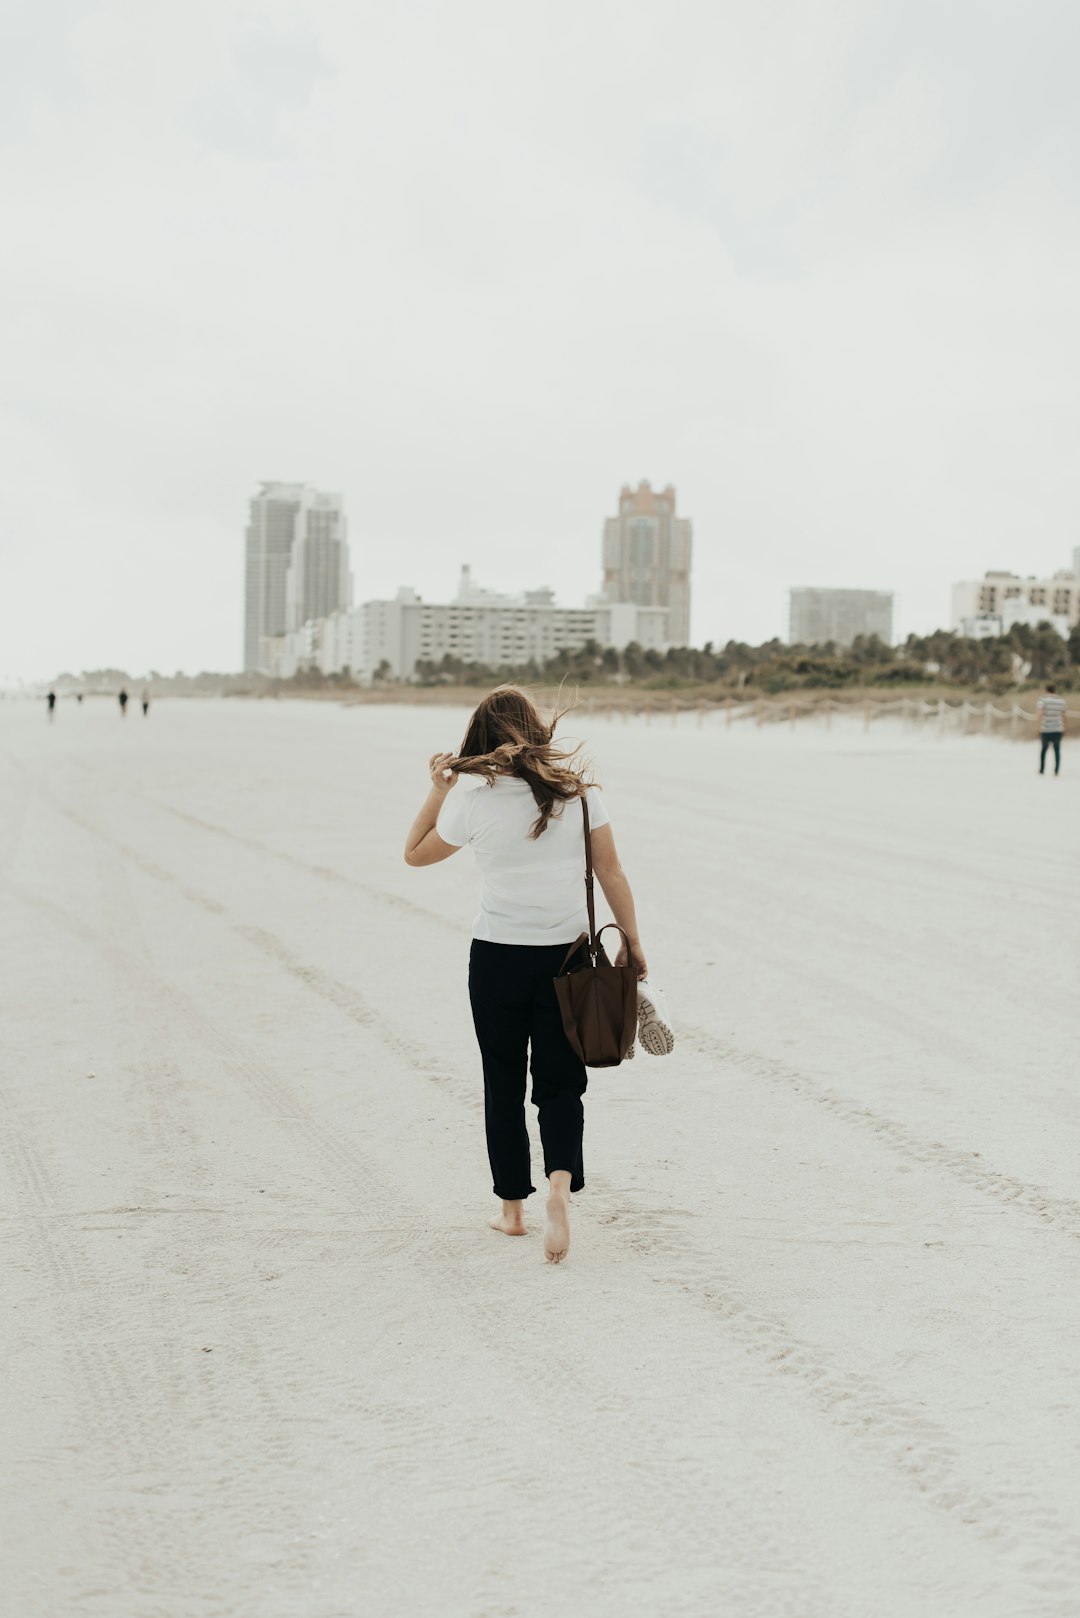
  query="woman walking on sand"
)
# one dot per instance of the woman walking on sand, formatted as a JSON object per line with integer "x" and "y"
{"x": 518, "y": 814}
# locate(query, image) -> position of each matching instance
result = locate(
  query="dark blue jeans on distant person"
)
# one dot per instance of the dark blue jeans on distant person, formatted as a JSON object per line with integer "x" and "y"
{"x": 1050, "y": 738}
{"x": 518, "y": 1025}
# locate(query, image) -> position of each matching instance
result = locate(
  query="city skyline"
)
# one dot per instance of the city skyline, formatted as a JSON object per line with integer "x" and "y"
{"x": 289, "y": 627}
{"x": 843, "y": 325}
{"x": 324, "y": 527}
{"x": 525, "y": 591}
{"x": 645, "y": 564}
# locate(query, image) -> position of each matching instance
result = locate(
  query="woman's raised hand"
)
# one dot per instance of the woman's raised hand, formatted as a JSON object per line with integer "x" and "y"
{"x": 442, "y": 779}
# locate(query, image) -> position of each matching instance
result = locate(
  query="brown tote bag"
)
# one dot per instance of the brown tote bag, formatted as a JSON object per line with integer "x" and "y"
{"x": 598, "y": 1001}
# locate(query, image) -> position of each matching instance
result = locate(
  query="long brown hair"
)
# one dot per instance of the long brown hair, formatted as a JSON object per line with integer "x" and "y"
{"x": 508, "y": 736}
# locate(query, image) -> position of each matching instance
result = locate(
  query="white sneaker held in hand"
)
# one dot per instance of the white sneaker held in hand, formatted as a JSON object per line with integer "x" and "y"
{"x": 654, "y": 1028}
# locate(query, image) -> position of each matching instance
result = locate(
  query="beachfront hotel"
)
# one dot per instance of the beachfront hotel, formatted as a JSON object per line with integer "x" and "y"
{"x": 819, "y": 616}
{"x": 296, "y": 565}
{"x": 498, "y": 631}
{"x": 993, "y": 604}
{"x": 646, "y": 556}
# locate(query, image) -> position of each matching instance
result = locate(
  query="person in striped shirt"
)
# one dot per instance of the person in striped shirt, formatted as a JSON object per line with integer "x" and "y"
{"x": 1050, "y": 718}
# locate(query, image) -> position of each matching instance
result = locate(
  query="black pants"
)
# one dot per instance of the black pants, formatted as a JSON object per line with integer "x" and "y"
{"x": 514, "y": 1008}
{"x": 1050, "y": 738}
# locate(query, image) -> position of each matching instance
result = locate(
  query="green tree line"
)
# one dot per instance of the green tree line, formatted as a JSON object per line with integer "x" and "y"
{"x": 1025, "y": 654}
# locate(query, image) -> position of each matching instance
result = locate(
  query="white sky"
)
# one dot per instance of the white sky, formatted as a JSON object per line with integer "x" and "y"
{"x": 478, "y": 263}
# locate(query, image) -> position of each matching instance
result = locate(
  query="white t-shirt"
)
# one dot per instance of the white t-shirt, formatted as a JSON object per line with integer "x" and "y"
{"x": 532, "y": 891}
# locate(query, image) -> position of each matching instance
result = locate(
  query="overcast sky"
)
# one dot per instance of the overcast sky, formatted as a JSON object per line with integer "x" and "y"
{"x": 478, "y": 263}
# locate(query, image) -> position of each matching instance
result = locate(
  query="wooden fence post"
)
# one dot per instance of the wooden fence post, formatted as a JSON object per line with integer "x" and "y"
{"x": 865, "y": 714}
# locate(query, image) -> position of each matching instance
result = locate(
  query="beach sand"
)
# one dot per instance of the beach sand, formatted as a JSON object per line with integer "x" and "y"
{"x": 815, "y": 1348}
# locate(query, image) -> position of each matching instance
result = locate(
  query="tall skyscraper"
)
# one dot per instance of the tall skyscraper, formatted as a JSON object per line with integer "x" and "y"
{"x": 647, "y": 556}
{"x": 296, "y": 562}
{"x": 818, "y": 616}
{"x": 319, "y": 581}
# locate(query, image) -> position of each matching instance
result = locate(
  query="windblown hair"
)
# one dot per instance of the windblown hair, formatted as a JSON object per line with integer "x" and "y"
{"x": 507, "y": 736}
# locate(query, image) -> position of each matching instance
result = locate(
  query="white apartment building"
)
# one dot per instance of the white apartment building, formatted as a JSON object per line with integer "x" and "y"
{"x": 339, "y": 643}
{"x": 406, "y": 631}
{"x": 330, "y": 644}
{"x": 1013, "y": 612}
{"x": 985, "y": 628}
{"x": 480, "y": 626}
{"x": 1009, "y": 599}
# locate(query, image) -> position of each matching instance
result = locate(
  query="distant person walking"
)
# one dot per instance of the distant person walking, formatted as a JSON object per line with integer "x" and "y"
{"x": 1050, "y": 722}
{"x": 122, "y": 699}
{"x": 145, "y": 702}
{"x": 51, "y": 700}
{"x": 519, "y": 814}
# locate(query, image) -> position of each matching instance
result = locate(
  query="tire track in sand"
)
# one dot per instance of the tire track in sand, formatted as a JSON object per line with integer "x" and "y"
{"x": 419, "y": 1058}
{"x": 1059, "y": 1213}
{"x": 573, "y": 1397}
{"x": 255, "y": 845}
{"x": 108, "y": 1382}
{"x": 17, "y": 794}
{"x": 915, "y": 1448}
{"x": 146, "y": 1398}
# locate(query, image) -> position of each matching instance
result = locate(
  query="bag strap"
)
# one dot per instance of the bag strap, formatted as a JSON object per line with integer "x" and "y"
{"x": 594, "y": 943}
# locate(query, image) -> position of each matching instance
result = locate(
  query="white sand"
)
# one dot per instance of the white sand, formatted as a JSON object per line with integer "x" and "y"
{"x": 815, "y": 1349}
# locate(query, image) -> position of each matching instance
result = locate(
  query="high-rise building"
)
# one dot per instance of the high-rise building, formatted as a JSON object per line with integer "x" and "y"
{"x": 296, "y": 563}
{"x": 819, "y": 616}
{"x": 647, "y": 552}
{"x": 319, "y": 581}
{"x": 270, "y": 532}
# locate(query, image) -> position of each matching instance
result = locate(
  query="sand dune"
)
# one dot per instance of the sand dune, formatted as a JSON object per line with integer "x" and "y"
{"x": 815, "y": 1348}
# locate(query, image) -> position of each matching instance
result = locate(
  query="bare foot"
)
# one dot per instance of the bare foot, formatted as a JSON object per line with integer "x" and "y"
{"x": 557, "y": 1230}
{"x": 511, "y": 1221}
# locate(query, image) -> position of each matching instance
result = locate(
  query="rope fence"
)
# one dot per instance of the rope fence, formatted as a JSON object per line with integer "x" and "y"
{"x": 1012, "y": 721}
